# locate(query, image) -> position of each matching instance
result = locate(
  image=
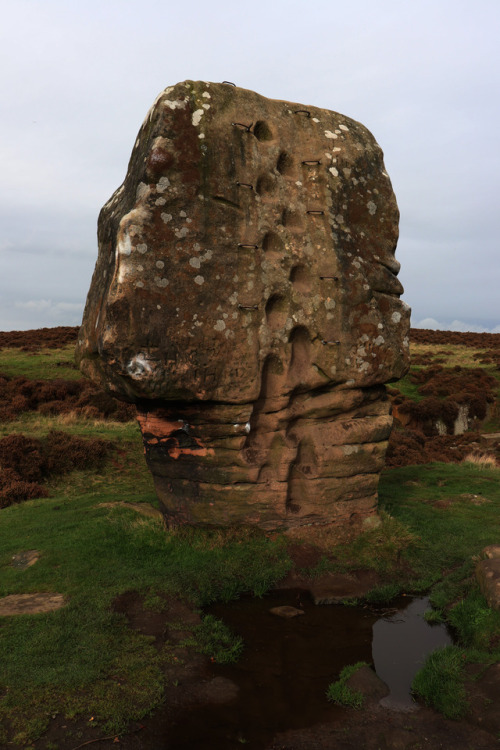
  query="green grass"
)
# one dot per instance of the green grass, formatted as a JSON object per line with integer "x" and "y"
{"x": 214, "y": 639}
{"x": 84, "y": 658}
{"x": 38, "y": 425}
{"x": 440, "y": 683}
{"x": 447, "y": 537}
{"x": 46, "y": 364}
{"x": 339, "y": 691}
{"x": 407, "y": 388}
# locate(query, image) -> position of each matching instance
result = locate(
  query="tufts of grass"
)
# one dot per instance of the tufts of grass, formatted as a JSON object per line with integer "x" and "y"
{"x": 434, "y": 502}
{"x": 477, "y": 625}
{"x": 440, "y": 682}
{"x": 379, "y": 548}
{"x": 339, "y": 691}
{"x": 214, "y": 639}
{"x": 483, "y": 460}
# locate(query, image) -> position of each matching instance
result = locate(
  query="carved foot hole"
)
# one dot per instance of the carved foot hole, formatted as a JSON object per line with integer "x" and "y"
{"x": 293, "y": 507}
{"x": 262, "y": 131}
{"x": 292, "y": 219}
{"x": 276, "y": 311}
{"x": 301, "y": 279}
{"x": 272, "y": 245}
{"x": 301, "y": 352}
{"x": 265, "y": 184}
{"x": 284, "y": 164}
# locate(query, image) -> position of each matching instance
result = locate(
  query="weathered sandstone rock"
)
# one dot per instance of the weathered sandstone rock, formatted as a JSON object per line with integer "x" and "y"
{"x": 488, "y": 575}
{"x": 245, "y": 299}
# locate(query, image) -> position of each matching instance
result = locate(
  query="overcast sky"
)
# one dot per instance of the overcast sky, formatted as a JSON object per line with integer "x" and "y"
{"x": 78, "y": 77}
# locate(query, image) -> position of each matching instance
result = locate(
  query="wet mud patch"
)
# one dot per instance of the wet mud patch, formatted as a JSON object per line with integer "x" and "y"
{"x": 288, "y": 663}
{"x": 202, "y": 698}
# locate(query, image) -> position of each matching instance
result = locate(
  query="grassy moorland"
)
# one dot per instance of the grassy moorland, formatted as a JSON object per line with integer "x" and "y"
{"x": 72, "y": 483}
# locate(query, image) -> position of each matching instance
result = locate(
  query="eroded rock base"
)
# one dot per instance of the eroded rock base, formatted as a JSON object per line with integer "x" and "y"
{"x": 311, "y": 458}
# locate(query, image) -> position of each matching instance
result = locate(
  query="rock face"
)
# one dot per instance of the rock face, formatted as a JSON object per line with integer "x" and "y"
{"x": 245, "y": 299}
{"x": 488, "y": 575}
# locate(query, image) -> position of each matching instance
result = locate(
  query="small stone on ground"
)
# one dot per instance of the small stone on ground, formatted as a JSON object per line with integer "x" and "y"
{"x": 30, "y": 604}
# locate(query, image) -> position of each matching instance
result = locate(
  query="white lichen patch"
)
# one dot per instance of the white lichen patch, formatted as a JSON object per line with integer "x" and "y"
{"x": 124, "y": 245}
{"x": 199, "y": 280}
{"x": 197, "y": 115}
{"x": 175, "y": 103}
{"x": 142, "y": 190}
{"x": 372, "y": 207}
{"x": 206, "y": 95}
{"x": 334, "y": 171}
{"x": 181, "y": 233}
{"x": 220, "y": 325}
{"x": 379, "y": 341}
{"x": 142, "y": 248}
{"x": 329, "y": 134}
{"x": 343, "y": 127}
{"x": 330, "y": 303}
{"x": 395, "y": 317}
{"x": 160, "y": 201}
{"x": 348, "y": 450}
{"x": 166, "y": 217}
{"x": 139, "y": 366}
{"x": 140, "y": 284}
{"x": 162, "y": 184}
{"x": 195, "y": 262}
{"x": 159, "y": 264}
{"x": 161, "y": 282}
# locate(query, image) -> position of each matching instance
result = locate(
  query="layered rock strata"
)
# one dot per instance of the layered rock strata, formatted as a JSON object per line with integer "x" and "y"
{"x": 245, "y": 299}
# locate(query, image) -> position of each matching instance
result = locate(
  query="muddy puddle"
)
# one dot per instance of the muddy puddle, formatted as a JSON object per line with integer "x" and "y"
{"x": 288, "y": 664}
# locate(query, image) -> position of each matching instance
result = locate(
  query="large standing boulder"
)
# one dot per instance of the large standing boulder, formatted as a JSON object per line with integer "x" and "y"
{"x": 245, "y": 299}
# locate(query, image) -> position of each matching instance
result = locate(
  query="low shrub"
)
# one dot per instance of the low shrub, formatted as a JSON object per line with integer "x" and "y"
{"x": 26, "y": 461}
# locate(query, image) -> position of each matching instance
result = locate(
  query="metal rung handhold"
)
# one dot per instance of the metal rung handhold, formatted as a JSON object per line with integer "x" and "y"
{"x": 229, "y": 82}
{"x": 315, "y": 213}
{"x": 248, "y": 307}
{"x": 248, "y": 246}
{"x": 302, "y": 112}
{"x": 324, "y": 342}
{"x": 335, "y": 278}
{"x": 311, "y": 162}
{"x": 245, "y": 184}
{"x": 242, "y": 126}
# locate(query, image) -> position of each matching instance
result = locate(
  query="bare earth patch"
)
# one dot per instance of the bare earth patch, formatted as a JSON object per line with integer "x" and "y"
{"x": 30, "y": 604}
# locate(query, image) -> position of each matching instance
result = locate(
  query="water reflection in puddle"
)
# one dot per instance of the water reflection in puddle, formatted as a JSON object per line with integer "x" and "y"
{"x": 287, "y": 665}
{"x": 400, "y": 645}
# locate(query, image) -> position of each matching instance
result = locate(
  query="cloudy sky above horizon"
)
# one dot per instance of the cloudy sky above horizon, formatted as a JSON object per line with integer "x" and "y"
{"x": 78, "y": 79}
